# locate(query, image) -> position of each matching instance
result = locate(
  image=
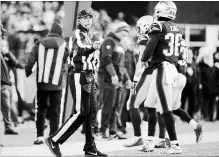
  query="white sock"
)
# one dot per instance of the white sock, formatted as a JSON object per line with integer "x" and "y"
{"x": 161, "y": 139}
{"x": 136, "y": 137}
{"x": 193, "y": 124}
{"x": 150, "y": 138}
{"x": 174, "y": 142}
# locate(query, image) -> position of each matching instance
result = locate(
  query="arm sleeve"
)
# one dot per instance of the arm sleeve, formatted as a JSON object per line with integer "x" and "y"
{"x": 126, "y": 75}
{"x": 32, "y": 58}
{"x": 154, "y": 30}
{"x": 106, "y": 56}
{"x": 110, "y": 69}
{"x": 149, "y": 50}
{"x": 106, "y": 52}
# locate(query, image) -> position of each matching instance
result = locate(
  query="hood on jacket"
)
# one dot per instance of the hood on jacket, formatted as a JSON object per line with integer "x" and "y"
{"x": 56, "y": 29}
{"x": 54, "y": 38}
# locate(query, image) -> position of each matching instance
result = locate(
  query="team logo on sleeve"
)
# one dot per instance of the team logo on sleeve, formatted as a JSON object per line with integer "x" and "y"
{"x": 155, "y": 27}
{"x": 108, "y": 47}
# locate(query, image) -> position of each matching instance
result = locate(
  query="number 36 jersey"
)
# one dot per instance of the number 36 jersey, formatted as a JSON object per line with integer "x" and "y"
{"x": 169, "y": 36}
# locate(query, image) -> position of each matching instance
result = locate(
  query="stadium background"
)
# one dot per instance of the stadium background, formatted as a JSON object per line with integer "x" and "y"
{"x": 199, "y": 23}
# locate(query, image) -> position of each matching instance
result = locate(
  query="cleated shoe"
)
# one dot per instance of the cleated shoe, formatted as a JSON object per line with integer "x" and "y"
{"x": 120, "y": 136}
{"x": 54, "y": 147}
{"x": 11, "y": 132}
{"x": 103, "y": 136}
{"x": 135, "y": 141}
{"x": 39, "y": 140}
{"x": 148, "y": 146}
{"x": 174, "y": 149}
{"x": 167, "y": 141}
{"x": 161, "y": 144}
{"x": 94, "y": 152}
{"x": 198, "y": 133}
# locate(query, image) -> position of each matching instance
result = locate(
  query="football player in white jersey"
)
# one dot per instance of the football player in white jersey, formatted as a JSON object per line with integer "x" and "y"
{"x": 142, "y": 81}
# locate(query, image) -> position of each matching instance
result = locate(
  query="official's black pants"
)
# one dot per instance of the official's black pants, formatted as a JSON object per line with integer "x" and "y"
{"x": 42, "y": 108}
{"x": 111, "y": 97}
{"x": 82, "y": 86}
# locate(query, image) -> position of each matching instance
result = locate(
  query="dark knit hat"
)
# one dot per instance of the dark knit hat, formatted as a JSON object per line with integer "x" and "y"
{"x": 56, "y": 29}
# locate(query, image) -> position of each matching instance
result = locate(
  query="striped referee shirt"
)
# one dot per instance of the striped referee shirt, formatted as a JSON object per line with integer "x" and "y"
{"x": 50, "y": 54}
{"x": 83, "y": 56}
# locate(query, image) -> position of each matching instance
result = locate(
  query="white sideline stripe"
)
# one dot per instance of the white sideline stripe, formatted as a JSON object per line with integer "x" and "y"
{"x": 41, "y": 62}
{"x": 78, "y": 91}
{"x": 58, "y": 66}
{"x": 64, "y": 129}
{"x": 70, "y": 43}
{"x": 78, "y": 104}
{"x": 62, "y": 107}
{"x": 48, "y": 64}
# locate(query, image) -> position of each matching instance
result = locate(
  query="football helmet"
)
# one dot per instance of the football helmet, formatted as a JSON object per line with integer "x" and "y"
{"x": 165, "y": 9}
{"x": 143, "y": 24}
{"x": 85, "y": 18}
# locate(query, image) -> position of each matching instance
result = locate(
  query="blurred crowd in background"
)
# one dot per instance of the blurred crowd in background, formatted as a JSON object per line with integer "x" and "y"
{"x": 26, "y": 22}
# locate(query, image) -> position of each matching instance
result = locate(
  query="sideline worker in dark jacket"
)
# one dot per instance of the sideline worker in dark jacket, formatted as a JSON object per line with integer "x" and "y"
{"x": 50, "y": 54}
{"x": 112, "y": 73}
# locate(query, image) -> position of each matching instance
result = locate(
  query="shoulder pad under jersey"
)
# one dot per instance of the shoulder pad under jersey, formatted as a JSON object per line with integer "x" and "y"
{"x": 155, "y": 28}
{"x": 143, "y": 39}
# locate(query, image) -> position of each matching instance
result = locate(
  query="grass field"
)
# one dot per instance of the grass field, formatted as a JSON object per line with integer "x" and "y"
{"x": 202, "y": 149}
{"x": 22, "y": 144}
